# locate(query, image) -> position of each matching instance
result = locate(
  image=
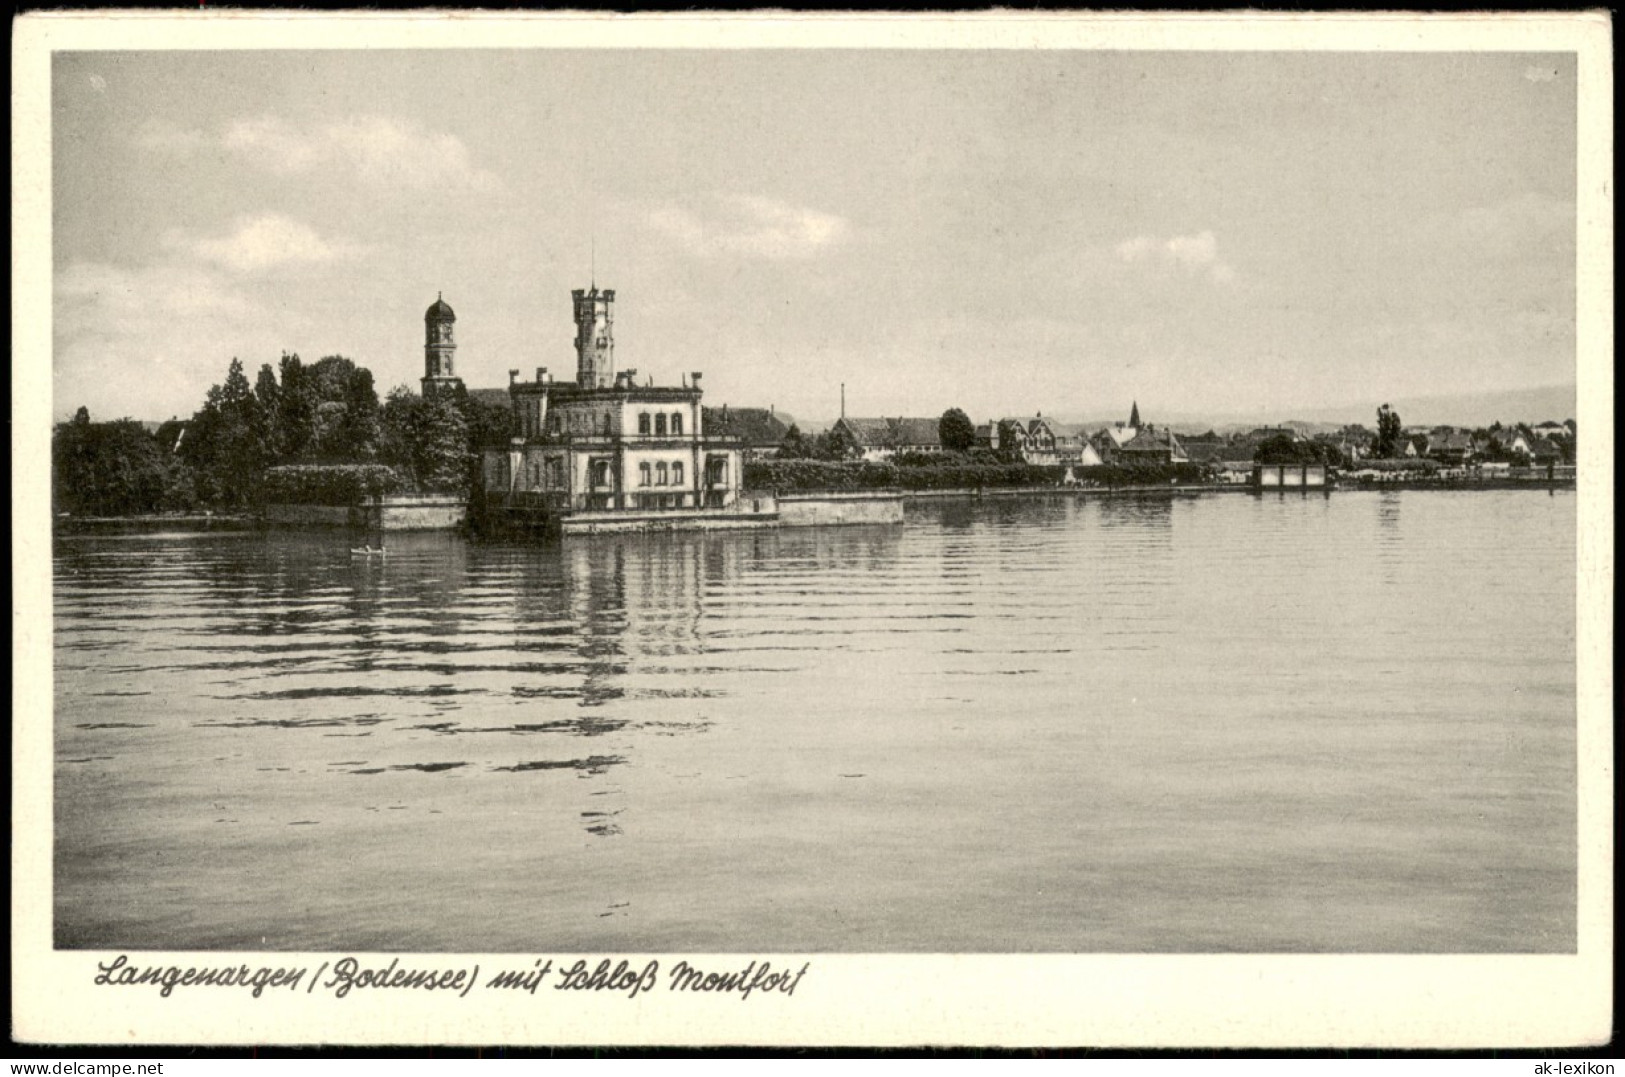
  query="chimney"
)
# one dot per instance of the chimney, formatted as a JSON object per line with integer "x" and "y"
{"x": 694, "y": 379}
{"x": 541, "y": 374}
{"x": 513, "y": 377}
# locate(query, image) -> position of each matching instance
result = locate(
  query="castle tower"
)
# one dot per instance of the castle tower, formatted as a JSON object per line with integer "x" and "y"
{"x": 439, "y": 349}
{"x": 595, "y": 337}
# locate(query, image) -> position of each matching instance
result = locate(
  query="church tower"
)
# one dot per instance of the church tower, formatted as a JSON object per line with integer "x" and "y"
{"x": 439, "y": 349}
{"x": 595, "y": 337}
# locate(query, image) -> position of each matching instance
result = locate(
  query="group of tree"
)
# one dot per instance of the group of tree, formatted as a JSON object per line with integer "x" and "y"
{"x": 1387, "y": 444}
{"x": 326, "y": 413}
{"x": 833, "y": 445}
{"x": 955, "y": 431}
{"x": 1285, "y": 449}
{"x": 114, "y": 469}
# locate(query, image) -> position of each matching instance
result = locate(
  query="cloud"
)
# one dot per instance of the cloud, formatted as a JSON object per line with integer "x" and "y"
{"x": 146, "y": 341}
{"x": 1535, "y": 73}
{"x": 1198, "y": 253}
{"x": 375, "y": 150}
{"x": 754, "y": 226}
{"x": 165, "y": 137}
{"x": 263, "y": 242}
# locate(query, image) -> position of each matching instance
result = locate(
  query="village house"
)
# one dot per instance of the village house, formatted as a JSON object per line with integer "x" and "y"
{"x": 1451, "y": 446}
{"x": 878, "y": 440}
{"x": 760, "y": 431}
{"x": 1135, "y": 442}
{"x": 1030, "y": 439}
{"x": 1152, "y": 446}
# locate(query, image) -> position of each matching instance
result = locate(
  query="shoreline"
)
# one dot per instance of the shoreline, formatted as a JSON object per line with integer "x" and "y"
{"x": 247, "y": 522}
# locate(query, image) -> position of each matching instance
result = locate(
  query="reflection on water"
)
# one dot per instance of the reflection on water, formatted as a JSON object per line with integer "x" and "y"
{"x": 1164, "y": 723}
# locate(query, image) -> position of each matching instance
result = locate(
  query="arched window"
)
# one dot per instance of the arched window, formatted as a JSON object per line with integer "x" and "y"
{"x": 600, "y": 473}
{"x": 606, "y": 424}
{"x": 660, "y": 425}
{"x": 677, "y": 424}
{"x": 643, "y": 473}
{"x": 643, "y": 423}
{"x": 677, "y": 474}
{"x": 660, "y": 473}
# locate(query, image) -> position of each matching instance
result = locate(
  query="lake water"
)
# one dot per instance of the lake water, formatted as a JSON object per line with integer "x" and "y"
{"x": 1117, "y": 724}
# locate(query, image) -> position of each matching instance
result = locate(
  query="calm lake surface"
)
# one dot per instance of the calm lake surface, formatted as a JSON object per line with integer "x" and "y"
{"x": 1119, "y": 724}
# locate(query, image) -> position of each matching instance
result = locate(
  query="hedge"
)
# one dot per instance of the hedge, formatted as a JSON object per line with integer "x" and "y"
{"x": 819, "y": 475}
{"x": 1407, "y": 464}
{"x": 798, "y": 475}
{"x": 328, "y": 484}
{"x": 1185, "y": 474}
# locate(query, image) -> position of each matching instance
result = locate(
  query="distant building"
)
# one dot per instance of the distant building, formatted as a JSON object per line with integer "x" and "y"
{"x": 1032, "y": 439}
{"x": 881, "y": 439}
{"x": 1152, "y": 446}
{"x": 602, "y": 442}
{"x": 1123, "y": 433}
{"x": 1452, "y": 447}
{"x": 1037, "y": 440}
{"x": 760, "y": 431}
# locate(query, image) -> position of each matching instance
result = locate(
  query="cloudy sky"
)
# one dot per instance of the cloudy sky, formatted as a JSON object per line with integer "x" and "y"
{"x": 1006, "y": 231}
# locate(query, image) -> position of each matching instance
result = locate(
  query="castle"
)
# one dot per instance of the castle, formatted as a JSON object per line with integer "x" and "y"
{"x": 598, "y": 444}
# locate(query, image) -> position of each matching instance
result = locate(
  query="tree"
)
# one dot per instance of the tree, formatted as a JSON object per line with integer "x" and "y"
{"x": 397, "y": 429}
{"x": 837, "y": 443}
{"x": 1386, "y": 444}
{"x": 440, "y": 448}
{"x": 794, "y": 445}
{"x": 956, "y": 431}
{"x": 295, "y": 422}
{"x": 1012, "y": 436}
{"x": 227, "y": 442}
{"x": 1285, "y": 449}
{"x": 489, "y": 425}
{"x": 113, "y": 469}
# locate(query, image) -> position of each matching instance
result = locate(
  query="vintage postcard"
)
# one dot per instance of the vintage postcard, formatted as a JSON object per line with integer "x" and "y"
{"x": 995, "y": 529}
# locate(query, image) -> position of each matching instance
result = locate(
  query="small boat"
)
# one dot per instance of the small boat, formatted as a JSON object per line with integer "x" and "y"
{"x": 367, "y": 551}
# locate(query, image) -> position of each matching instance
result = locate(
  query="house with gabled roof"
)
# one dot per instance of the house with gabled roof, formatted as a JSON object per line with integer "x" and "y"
{"x": 1452, "y": 447}
{"x": 881, "y": 439}
{"x": 1152, "y": 446}
{"x": 760, "y": 430}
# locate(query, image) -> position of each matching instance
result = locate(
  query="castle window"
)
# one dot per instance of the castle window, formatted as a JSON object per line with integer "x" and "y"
{"x": 660, "y": 425}
{"x": 603, "y": 342}
{"x": 677, "y": 425}
{"x": 660, "y": 473}
{"x": 606, "y": 423}
{"x": 677, "y": 474}
{"x": 643, "y": 474}
{"x": 643, "y": 423}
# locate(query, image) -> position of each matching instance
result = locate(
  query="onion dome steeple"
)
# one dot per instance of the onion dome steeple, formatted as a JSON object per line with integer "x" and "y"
{"x": 439, "y": 347}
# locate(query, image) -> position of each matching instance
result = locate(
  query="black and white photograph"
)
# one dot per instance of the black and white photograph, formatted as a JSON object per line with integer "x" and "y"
{"x": 712, "y": 515}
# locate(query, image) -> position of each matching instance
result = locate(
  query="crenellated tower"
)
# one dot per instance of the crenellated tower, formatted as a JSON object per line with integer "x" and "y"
{"x": 595, "y": 337}
{"x": 439, "y": 348}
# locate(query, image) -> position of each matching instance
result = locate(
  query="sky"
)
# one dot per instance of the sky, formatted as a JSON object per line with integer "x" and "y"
{"x": 1009, "y": 232}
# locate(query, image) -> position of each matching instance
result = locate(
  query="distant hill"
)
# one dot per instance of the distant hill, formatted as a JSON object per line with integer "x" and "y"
{"x": 1556, "y": 402}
